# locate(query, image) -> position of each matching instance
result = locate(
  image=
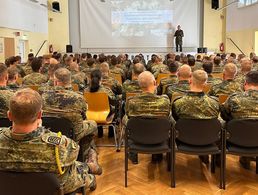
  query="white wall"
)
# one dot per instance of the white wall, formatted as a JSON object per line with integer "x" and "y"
{"x": 24, "y": 15}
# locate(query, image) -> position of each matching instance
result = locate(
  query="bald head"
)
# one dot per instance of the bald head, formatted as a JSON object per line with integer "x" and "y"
{"x": 63, "y": 77}
{"x": 199, "y": 77}
{"x": 138, "y": 69}
{"x": 25, "y": 107}
{"x": 184, "y": 72}
{"x": 246, "y": 65}
{"x": 53, "y": 61}
{"x": 104, "y": 68}
{"x": 74, "y": 66}
{"x": 230, "y": 71}
{"x": 147, "y": 81}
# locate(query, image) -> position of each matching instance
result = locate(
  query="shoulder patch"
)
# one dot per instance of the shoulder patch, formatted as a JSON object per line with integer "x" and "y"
{"x": 52, "y": 139}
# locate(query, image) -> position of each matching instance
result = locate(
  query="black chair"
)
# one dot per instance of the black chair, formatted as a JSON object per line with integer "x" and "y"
{"x": 5, "y": 122}
{"x": 148, "y": 136}
{"x": 242, "y": 138}
{"x": 65, "y": 126}
{"x": 16, "y": 183}
{"x": 57, "y": 124}
{"x": 200, "y": 137}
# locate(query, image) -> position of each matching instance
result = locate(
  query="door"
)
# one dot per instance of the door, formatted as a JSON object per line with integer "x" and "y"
{"x": 9, "y": 48}
{"x": 22, "y": 50}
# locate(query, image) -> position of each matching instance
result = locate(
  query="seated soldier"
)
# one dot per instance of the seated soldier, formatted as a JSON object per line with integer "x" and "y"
{"x": 243, "y": 105}
{"x": 158, "y": 67}
{"x": 12, "y": 78}
{"x": 217, "y": 68}
{"x": 27, "y": 68}
{"x": 246, "y": 66}
{"x": 208, "y": 68}
{"x": 172, "y": 79}
{"x": 5, "y": 93}
{"x": 114, "y": 67}
{"x": 109, "y": 81}
{"x": 147, "y": 104}
{"x": 35, "y": 78}
{"x": 132, "y": 86}
{"x": 13, "y": 62}
{"x": 183, "y": 85}
{"x": 78, "y": 77}
{"x": 196, "y": 104}
{"x": 229, "y": 85}
{"x": 62, "y": 101}
{"x": 32, "y": 149}
{"x": 96, "y": 86}
{"x": 90, "y": 66}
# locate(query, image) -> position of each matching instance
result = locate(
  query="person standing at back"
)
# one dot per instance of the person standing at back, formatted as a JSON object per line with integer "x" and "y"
{"x": 179, "y": 34}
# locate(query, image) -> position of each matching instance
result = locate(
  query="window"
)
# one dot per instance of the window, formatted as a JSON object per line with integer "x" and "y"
{"x": 243, "y": 3}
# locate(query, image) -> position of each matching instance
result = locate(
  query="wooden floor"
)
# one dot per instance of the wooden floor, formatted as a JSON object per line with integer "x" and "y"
{"x": 192, "y": 177}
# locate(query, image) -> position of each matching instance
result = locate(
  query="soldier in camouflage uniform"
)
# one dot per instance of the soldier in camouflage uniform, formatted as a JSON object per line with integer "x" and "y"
{"x": 172, "y": 79}
{"x": 5, "y": 93}
{"x": 208, "y": 67}
{"x": 12, "y": 79}
{"x": 132, "y": 86}
{"x": 243, "y": 106}
{"x": 158, "y": 67}
{"x": 109, "y": 81}
{"x": 35, "y": 146}
{"x": 246, "y": 66}
{"x": 179, "y": 34}
{"x": 83, "y": 63}
{"x": 196, "y": 104}
{"x": 35, "y": 78}
{"x": 27, "y": 68}
{"x": 147, "y": 104}
{"x": 228, "y": 86}
{"x": 114, "y": 69}
{"x": 12, "y": 62}
{"x": 78, "y": 77}
{"x": 217, "y": 67}
{"x": 183, "y": 85}
{"x": 91, "y": 67}
{"x": 62, "y": 101}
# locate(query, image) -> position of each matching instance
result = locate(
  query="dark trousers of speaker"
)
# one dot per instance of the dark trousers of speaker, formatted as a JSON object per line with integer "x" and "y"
{"x": 180, "y": 47}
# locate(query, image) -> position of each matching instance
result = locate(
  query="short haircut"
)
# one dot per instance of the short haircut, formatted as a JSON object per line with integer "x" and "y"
{"x": 52, "y": 68}
{"x": 102, "y": 58}
{"x": 172, "y": 66}
{"x": 255, "y": 59}
{"x": 199, "y": 77}
{"x": 184, "y": 72}
{"x": 191, "y": 61}
{"x": 177, "y": 58}
{"x": 30, "y": 55}
{"x": 252, "y": 78}
{"x": 104, "y": 67}
{"x": 217, "y": 60}
{"x": 208, "y": 67}
{"x": 230, "y": 70}
{"x": 12, "y": 60}
{"x": 246, "y": 64}
{"x": 90, "y": 62}
{"x": 84, "y": 55}
{"x": 233, "y": 55}
{"x": 25, "y": 106}
{"x": 3, "y": 71}
{"x": 36, "y": 64}
{"x": 137, "y": 59}
{"x": 146, "y": 79}
{"x": 63, "y": 75}
{"x": 198, "y": 57}
{"x": 138, "y": 68}
{"x": 12, "y": 72}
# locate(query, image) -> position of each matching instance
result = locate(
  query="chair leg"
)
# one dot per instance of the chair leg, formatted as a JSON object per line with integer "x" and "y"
{"x": 172, "y": 169}
{"x": 213, "y": 163}
{"x": 115, "y": 137}
{"x": 256, "y": 164}
{"x": 168, "y": 161}
{"x": 83, "y": 191}
{"x": 126, "y": 165}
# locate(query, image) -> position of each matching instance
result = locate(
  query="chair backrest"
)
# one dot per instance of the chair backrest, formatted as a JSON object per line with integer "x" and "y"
{"x": 34, "y": 87}
{"x": 5, "y": 122}
{"x": 198, "y": 131}
{"x": 16, "y": 183}
{"x": 75, "y": 87}
{"x": 148, "y": 131}
{"x": 222, "y": 98}
{"x": 217, "y": 75}
{"x": 118, "y": 77}
{"x": 57, "y": 124}
{"x": 19, "y": 81}
{"x": 175, "y": 95}
{"x": 207, "y": 88}
{"x": 98, "y": 106}
{"x": 243, "y": 132}
{"x": 161, "y": 76}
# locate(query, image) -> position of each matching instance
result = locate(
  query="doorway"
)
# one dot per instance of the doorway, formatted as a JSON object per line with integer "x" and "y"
{"x": 22, "y": 50}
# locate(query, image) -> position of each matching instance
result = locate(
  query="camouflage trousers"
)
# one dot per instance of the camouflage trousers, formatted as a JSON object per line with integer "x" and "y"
{"x": 76, "y": 176}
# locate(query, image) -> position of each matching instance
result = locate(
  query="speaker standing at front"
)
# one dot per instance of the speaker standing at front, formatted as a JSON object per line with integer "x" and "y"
{"x": 179, "y": 34}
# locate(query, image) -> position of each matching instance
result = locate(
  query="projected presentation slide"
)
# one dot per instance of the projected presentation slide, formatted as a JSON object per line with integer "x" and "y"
{"x": 141, "y": 17}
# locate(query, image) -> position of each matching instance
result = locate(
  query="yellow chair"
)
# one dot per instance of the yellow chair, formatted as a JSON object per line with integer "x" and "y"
{"x": 223, "y": 98}
{"x": 217, "y": 75}
{"x": 98, "y": 110}
{"x": 118, "y": 77}
{"x": 176, "y": 95}
{"x": 34, "y": 87}
{"x": 161, "y": 76}
{"x": 75, "y": 87}
{"x": 207, "y": 88}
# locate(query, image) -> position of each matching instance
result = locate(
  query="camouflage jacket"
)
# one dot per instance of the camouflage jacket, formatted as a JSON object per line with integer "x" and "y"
{"x": 80, "y": 79}
{"x": 213, "y": 81}
{"x": 156, "y": 69}
{"x": 240, "y": 106}
{"x": 5, "y": 95}
{"x": 181, "y": 87}
{"x": 217, "y": 69}
{"x": 172, "y": 79}
{"x": 195, "y": 105}
{"x": 34, "y": 78}
{"x": 131, "y": 87}
{"x": 112, "y": 83}
{"x": 227, "y": 87}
